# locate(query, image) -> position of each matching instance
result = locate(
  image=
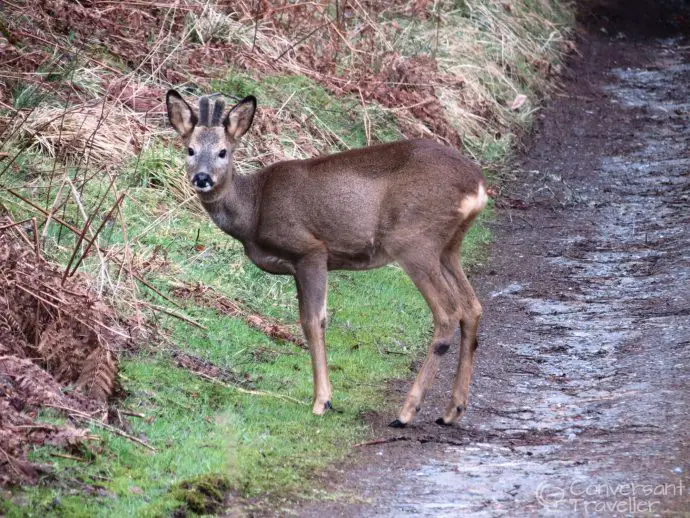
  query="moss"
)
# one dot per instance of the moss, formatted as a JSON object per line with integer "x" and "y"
{"x": 202, "y": 495}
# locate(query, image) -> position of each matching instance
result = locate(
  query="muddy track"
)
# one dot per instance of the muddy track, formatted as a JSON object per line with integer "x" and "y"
{"x": 579, "y": 405}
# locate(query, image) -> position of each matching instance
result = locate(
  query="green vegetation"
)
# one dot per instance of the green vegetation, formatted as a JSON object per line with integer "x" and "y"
{"x": 203, "y": 495}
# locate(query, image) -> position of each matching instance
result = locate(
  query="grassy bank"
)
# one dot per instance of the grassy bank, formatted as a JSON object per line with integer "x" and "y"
{"x": 225, "y": 405}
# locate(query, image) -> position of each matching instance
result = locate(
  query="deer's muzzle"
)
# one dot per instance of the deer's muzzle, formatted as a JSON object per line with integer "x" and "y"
{"x": 202, "y": 182}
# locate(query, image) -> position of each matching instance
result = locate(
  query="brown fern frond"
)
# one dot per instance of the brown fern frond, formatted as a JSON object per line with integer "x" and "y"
{"x": 69, "y": 437}
{"x": 52, "y": 333}
{"x": 98, "y": 374}
{"x": 14, "y": 321}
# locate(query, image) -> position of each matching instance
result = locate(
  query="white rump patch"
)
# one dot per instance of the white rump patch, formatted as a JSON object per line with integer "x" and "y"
{"x": 474, "y": 203}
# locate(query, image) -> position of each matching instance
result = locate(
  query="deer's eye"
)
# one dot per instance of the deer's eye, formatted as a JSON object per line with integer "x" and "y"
{"x": 223, "y": 153}
{"x": 190, "y": 151}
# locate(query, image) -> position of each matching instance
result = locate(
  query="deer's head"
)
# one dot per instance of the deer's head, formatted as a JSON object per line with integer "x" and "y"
{"x": 210, "y": 138}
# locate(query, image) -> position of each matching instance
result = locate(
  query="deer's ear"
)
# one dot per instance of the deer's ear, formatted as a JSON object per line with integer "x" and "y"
{"x": 180, "y": 115}
{"x": 239, "y": 118}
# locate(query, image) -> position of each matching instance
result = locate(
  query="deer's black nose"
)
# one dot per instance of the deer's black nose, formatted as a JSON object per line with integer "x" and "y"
{"x": 202, "y": 181}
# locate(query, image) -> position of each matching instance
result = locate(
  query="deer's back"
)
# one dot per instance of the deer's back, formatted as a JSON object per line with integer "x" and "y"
{"x": 354, "y": 200}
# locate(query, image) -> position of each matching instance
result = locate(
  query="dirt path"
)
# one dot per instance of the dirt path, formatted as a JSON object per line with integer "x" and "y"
{"x": 579, "y": 406}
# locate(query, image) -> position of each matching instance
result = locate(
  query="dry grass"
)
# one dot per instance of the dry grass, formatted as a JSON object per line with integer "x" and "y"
{"x": 98, "y": 135}
{"x": 506, "y": 52}
{"x": 481, "y": 55}
{"x": 446, "y": 70}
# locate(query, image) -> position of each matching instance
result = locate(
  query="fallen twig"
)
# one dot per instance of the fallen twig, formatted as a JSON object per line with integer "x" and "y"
{"x": 15, "y": 224}
{"x": 383, "y": 440}
{"x": 401, "y": 353}
{"x": 77, "y": 414}
{"x": 247, "y": 391}
{"x": 117, "y": 431}
{"x": 422, "y": 440}
{"x": 132, "y": 414}
{"x": 174, "y": 314}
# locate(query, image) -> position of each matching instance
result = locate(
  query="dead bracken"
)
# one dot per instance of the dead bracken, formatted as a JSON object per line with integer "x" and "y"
{"x": 58, "y": 349}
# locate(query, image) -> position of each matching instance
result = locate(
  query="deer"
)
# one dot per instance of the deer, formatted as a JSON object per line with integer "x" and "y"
{"x": 409, "y": 202}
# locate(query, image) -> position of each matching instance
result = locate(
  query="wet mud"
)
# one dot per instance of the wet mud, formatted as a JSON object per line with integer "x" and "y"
{"x": 579, "y": 402}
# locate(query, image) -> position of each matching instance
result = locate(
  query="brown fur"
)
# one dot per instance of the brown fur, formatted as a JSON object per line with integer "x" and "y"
{"x": 409, "y": 201}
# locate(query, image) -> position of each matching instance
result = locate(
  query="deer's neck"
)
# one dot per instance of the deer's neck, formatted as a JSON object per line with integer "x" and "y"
{"x": 233, "y": 208}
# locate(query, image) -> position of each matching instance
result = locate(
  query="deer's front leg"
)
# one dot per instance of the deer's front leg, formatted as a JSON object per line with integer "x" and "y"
{"x": 311, "y": 277}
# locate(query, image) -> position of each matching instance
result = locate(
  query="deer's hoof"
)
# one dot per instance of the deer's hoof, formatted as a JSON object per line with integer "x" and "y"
{"x": 397, "y": 424}
{"x": 440, "y": 421}
{"x": 320, "y": 409}
{"x": 453, "y": 413}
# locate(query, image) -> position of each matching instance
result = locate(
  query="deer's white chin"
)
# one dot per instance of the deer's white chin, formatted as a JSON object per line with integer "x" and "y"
{"x": 204, "y": 189}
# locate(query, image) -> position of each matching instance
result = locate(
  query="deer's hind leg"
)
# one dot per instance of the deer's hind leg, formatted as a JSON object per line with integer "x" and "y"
{"x": 469, "y": 315}
{"x": 426, "y": 272}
